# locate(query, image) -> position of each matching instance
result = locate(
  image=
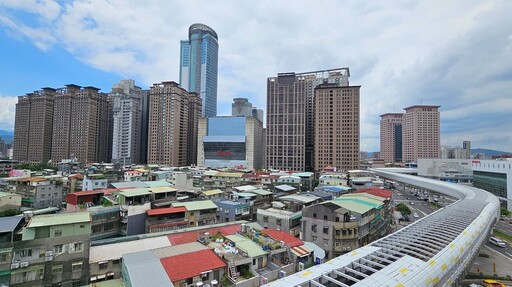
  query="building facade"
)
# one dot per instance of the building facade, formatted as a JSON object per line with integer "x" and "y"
{"x": 199, "y": 66}
{"x": 53, "y": 251}
{"x": 126, "y": 105}
{"x": 290, "y": 117}
{"x": 168, "y": 131}
{"x": 33, "y": 126}
{"x": 494, "y": 176}
{"x": 337, "y": 127}
{"x": 234, "y": 142}
{"x": 81, "y": 127}
{"x": 421, "y": 137}
{"x": 391, "y": 137}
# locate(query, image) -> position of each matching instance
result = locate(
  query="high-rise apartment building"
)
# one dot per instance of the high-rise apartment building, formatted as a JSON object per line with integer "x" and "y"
{"x": 33, "y": 126}
{"x": 290, "y": 117}
{"x": 169, "y": 139}
{"x": 336, "y": 127}
{"x": 421, "y": 133}
{"x": 199, "y": 66}
{"x": 126, "y": 105}
{"x": 81, "y": 125}
{"x": 391, "y": 137}
{"x": 242, "y": 107}
{"x": 466, "y": 146}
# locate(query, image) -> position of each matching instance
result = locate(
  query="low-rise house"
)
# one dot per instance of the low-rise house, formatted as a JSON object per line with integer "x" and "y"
{"x": 37, "y": 192}
{"x": 105, "y": 260}
{"x": 53, "y": 251}
{"x": 214, "y": 194}
{"x": 348, "y": 222}
{"x": 164, "y": 219}
{"x": 94, "y": 181}
{"x": 150, "y": 268}
{"x": 9, "y": 233}
{"x": 199, "y": 213}
{"x": 285, "y": 220}
{"x": 9, "y": 201}
{"x": 236, "y": 208}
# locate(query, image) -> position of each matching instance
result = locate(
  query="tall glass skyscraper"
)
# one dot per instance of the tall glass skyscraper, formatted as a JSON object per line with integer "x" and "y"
{"x": 199, "y": 66}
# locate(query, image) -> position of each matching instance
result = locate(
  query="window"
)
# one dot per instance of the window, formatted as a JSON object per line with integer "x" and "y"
{"x": 314, "y": 215}
{"x": 325, "y": 217}
{"x": 313, "y": 227}
{"x": 103, "y": 265}
{"x": 116, "y": 261}
{"x": 25, "y": 253}
{"x": 326, "y": 230}
{"x": 278, "y": 221}
{"x": 76, "y": 266}
{"x": 314, "y": 238}
{"x": 57, "y": 249}
{"x": 78, "y": 246}
{"x": 82, "y": 225}
{"x": 3, "y": 257}
{"x": 58, "y": 233}
{"x": 265, "y": 218}
{"x": 56, "y": 269}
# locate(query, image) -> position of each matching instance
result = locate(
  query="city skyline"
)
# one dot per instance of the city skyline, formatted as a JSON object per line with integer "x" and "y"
{"x": 455, "y": 56}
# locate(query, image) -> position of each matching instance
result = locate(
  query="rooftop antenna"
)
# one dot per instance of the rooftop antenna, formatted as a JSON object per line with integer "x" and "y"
{"x": 421, "y": 101}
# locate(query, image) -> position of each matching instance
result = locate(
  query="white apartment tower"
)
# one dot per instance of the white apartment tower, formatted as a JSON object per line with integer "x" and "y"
{"x": 126, "y": 104}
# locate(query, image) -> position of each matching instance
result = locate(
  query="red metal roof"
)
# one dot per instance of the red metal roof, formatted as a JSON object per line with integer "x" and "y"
{"x": 191, "y": 236}
{"x": 279, "y": 235}
{"x": 384, "y": 193}
{"x": 72, "y": 198}
{"x": 168, "y": 210}
{"x": 188, "y": 265}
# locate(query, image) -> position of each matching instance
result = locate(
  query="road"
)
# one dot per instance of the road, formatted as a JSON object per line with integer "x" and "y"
{"x": 505, "y": 225}
{"x": 506, "y": 251}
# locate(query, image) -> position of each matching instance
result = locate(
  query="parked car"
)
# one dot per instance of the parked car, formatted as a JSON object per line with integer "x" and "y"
{"x": 415, "y": 215}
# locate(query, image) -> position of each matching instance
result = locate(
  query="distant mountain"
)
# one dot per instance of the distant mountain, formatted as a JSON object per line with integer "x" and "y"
{"x": 488, "y": 152}
{"x": 7, "y": 136}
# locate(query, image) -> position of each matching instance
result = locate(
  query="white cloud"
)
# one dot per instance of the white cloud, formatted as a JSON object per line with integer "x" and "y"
{"x": 455, "y": 54}
{"x": 7, "y": 112}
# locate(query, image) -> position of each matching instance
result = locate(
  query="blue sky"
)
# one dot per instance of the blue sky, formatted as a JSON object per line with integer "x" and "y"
{"x": 456, "y": 54}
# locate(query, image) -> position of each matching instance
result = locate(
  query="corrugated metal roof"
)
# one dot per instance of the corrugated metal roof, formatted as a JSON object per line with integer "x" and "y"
{"x": 354, "y": 204}
{"x": 210, "y": 173}
{"x": 244, "y": 243}
{"x": 279, "y": 235}
{"x": 117, "y": 250}
{"x": 260, "y": 191}
{"x": 212, "y": 192}
{"x": 245, "y": 194}
{"x": 59, "y": 219}
{"x": 128, "y": 184}
{"x": 300, "y": 198}
{"x": 230, "y": 174}
{"x": 178, "y": 249}
{"x": 161, "y": 189}
{"x": 8, "y": 224}
{"x": 244, "y": 188}
{"x": 144, "y": 269}
{"x": 189, "y": 265}
{"x": 168, "y": 210}
{"x": 158, "y": 183}
{"x": 134, "y": 192}
{"x": 109, "y": 283}
{"x": 285, "y": 187}
{"x": 196, "y": 205}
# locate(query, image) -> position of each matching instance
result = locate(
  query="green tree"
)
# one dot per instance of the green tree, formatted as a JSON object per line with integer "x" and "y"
{"x": 404, "y": 209}
{"x": 505, "y": 212}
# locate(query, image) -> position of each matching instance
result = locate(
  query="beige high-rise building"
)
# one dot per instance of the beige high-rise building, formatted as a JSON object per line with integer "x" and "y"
{"x": 421, "y": 133}
{"x": 169, "y": 137}
{"x": 391, "y": 137}
{"x": 194, "y": 114}
{"x": 337, "y": 127}
{"x": 290, "y": 117}
{"x": 33, "y": 126}
{"x": 81, "y": 125}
